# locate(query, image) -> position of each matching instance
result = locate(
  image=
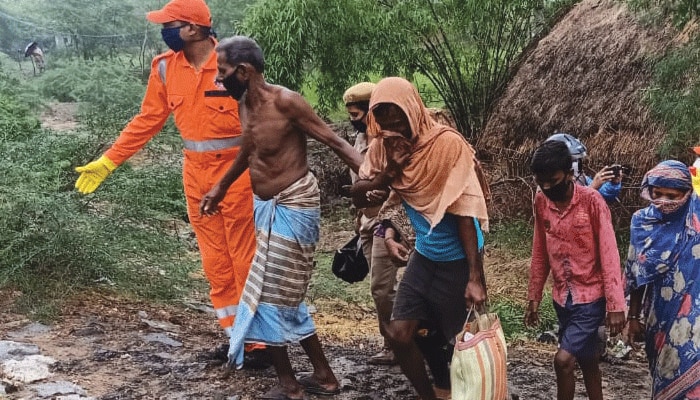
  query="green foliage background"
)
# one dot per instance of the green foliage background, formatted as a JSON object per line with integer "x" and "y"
{"x": 674, "y": 94}
{"x": 674, "y": 98}
{"x": 55, "y": 242}
{"x": 679, "y": 11}
{"x": 464, "y": 48}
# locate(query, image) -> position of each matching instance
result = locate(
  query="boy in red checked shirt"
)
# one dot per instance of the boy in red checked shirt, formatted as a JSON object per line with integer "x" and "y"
{"x": 574, "y": 239}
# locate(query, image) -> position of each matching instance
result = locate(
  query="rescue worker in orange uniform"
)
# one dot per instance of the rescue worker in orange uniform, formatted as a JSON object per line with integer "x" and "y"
{"x": 182, "y": 82}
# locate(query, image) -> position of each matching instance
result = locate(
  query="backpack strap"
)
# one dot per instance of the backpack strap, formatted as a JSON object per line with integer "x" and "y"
{"x": 161, "y": 69}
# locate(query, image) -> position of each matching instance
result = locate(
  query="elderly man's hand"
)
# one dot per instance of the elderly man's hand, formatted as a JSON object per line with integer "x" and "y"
{"x": 398, "y": 152}
{"x": 377, "y": 196}
{"x": 210, "y": 202}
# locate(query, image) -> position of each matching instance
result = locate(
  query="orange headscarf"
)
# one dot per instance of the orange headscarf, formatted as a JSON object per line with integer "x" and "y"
{"x": 442, "y": 174}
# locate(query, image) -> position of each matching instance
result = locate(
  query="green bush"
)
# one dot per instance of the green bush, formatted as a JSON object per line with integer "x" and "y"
{"x": 515, "y": 236}
{"x": 146, "y": 192}
{"x": 679, "y": 12}
{"x": 674, "y": 98}
{"x": 16, "y": 119}
{"x": 55, "y": 242}
{"x": 94, "y": 84}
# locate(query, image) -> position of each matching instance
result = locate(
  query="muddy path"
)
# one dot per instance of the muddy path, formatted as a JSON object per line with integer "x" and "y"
{"x": 113, "y": 348}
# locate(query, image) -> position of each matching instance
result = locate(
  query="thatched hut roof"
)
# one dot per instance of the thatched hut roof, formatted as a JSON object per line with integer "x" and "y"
{"x": 586, "y": 78}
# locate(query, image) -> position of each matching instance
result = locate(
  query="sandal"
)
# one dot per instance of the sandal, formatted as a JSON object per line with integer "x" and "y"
{"x": 313, "y": 387}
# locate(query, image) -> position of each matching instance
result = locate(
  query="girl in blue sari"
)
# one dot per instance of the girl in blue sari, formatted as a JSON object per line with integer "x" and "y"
{"x": 662, "y": 270}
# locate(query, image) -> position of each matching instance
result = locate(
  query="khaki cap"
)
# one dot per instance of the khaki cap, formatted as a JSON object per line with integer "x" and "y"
{"x": 360, "y": 92}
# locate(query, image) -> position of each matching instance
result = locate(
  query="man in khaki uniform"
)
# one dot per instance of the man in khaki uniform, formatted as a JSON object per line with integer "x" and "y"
{"x": 382, "y": 269}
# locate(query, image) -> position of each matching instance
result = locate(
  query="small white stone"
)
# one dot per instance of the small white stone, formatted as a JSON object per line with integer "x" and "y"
{"x": 29, "y": 369}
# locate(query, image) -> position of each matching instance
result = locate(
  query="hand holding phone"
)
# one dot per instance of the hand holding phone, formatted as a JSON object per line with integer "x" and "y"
{"x": 616, "y": 170}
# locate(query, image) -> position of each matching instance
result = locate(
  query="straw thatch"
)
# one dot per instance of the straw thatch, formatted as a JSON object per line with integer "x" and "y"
{"x": 331, "y": 171}
{"x": 585, "y": 78}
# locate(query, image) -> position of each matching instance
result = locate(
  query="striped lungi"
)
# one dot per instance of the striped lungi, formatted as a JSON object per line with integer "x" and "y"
{"x": 272, "y": 310}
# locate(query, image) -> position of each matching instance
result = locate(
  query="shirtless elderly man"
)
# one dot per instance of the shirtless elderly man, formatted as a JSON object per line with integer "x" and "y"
{"x": 276, "y": 122}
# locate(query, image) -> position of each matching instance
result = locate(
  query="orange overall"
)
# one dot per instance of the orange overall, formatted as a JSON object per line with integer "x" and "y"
{"x": 207, "y": 118}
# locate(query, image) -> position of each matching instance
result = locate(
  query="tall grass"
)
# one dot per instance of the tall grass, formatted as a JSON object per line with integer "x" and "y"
{"x": 55, "y": 242}
{"x": 92, "y": 82}
{"x": 511, "y": 313}
{"x": 513, "y": 236}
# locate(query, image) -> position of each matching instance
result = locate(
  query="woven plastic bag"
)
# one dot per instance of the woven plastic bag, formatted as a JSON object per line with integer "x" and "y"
{"x": 478, "y": 369}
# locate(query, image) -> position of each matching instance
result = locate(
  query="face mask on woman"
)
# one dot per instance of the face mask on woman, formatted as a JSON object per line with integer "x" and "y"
{"x": 667, "y": 206}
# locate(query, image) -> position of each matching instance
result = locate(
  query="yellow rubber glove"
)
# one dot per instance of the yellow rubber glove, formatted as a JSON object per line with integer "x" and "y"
{"x": 93, "y": 174}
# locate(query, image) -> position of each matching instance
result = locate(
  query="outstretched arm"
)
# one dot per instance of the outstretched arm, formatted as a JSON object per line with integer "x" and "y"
{"x": 304, "y": 118}
{"x": 154, "y": 113}
{"x": 397, "y": 156}
{"x": 361, "y": 190}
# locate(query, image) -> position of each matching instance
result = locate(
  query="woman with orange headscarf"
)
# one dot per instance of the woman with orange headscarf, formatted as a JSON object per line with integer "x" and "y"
{"x": 435, "y": 174}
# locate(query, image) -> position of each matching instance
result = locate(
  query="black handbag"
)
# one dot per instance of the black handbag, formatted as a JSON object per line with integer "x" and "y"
{"x": 349, "y": 262}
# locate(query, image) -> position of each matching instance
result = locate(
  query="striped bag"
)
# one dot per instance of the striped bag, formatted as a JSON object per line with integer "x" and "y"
{"x": 478, "y": 370}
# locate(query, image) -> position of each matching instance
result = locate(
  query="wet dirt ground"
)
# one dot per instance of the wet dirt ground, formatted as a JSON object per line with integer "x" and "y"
{"x": 116, "y": 348}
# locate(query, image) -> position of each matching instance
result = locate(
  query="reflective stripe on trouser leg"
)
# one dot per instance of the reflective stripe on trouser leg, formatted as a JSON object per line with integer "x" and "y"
{"x": 226, "y": 240}
{"x": 226, "y": 314}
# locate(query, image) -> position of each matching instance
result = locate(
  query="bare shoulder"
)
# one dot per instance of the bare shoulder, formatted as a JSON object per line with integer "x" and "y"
{"x": 286, "y": 97}
{"x": 290, "y": 102}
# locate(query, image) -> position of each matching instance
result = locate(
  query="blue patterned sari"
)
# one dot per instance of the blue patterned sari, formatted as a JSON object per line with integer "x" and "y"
{"x": 664, "y": 256}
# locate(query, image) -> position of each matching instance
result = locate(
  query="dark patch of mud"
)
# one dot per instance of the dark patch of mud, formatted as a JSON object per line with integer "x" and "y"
{"x": 119, "y": 349}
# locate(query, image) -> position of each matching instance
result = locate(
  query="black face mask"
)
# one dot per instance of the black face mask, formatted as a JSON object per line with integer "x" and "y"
{"x": 171, "y": 37}
{"x": 359, "y": 125}
{"x": 235, "y": 88}
{"x": 558, "y": 191}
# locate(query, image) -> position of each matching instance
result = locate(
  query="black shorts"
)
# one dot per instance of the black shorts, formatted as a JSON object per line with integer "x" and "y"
{"x": 578, "y": 327}
{"x": 433, "y": 291}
